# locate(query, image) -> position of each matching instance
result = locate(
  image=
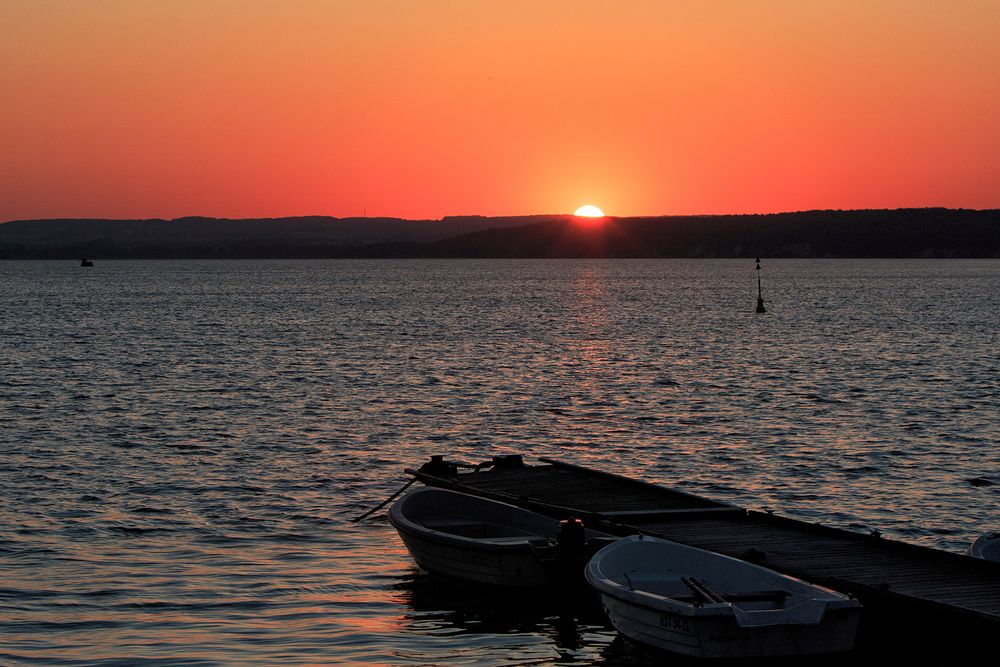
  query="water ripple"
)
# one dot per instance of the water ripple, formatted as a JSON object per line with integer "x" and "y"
{"x": 184, "y": 443}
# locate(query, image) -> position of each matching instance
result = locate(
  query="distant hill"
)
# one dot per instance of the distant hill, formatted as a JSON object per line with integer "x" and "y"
{"x": 198, "y": 237}
{"x": 927, "y": 232}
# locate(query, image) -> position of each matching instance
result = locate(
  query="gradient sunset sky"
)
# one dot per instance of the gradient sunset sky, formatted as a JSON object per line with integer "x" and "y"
{"x": 141, "y": 108}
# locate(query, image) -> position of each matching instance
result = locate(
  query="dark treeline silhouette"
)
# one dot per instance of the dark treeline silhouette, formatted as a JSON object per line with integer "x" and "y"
{"x": 928, "y": 232}
{"x": 312, "y": 236}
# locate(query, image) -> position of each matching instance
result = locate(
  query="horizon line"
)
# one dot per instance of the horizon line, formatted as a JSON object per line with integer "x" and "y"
{"x": 511, "y": 215}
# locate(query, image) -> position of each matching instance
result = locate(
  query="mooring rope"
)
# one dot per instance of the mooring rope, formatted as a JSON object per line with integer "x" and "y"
{"x": 384, "y": 502}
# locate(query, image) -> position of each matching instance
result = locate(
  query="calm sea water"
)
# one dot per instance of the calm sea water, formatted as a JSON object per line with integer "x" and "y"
{"x": 184, "y": 443}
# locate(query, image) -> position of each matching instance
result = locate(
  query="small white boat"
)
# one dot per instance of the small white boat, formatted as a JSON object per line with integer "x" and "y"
{"x": 485, "y": 541}
{"x": 987, "y": 547}
{"x": 698, "y": 603}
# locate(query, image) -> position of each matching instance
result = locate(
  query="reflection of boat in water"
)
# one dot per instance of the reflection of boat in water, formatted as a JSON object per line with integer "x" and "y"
{"x": 86, "y": 262}
{"x": 695, "y": 602}
{"x": 987, "y": 547}
{"x": 511, "y": 622}
{"x": 488, "y": 542}
{"x": 496, "y": 609}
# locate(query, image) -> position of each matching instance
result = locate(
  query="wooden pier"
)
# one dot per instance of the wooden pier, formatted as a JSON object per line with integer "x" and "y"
{"x": 947, "y": 601}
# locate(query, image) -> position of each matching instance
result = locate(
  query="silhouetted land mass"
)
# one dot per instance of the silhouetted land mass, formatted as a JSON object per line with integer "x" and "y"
{"x": 199, "y": 237}
{"x": 927, "y": 232}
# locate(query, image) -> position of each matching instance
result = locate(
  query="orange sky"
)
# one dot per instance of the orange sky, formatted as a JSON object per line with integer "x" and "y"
{"x": 422, "y": 109}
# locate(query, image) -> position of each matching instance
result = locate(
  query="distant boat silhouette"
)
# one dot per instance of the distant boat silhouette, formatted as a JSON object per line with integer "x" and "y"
{"x": 86, "y": 262}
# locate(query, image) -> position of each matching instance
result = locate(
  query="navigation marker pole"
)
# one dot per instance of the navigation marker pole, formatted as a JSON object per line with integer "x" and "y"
{"x": 760, "y": 297}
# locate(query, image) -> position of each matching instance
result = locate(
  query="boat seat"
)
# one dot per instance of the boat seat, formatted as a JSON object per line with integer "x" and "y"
{"x": 755, "y": 596}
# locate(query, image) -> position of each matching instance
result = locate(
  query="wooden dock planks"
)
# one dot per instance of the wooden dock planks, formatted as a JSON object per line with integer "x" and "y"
{"x": 879, "y": 571}
{"x": 563, "y": 485}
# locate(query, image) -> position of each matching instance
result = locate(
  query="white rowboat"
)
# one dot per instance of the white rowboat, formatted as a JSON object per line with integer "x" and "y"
{"x": 695, "y": 602}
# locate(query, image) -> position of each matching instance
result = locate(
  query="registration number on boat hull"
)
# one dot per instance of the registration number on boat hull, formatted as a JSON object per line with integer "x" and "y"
{"x": 675, "y": 623}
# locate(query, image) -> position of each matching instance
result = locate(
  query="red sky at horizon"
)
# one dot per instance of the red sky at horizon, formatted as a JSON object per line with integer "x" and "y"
{"x": 116, "y": 108}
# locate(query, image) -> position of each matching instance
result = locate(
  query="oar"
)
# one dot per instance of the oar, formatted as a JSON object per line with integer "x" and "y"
{"x": 701, "y": 590}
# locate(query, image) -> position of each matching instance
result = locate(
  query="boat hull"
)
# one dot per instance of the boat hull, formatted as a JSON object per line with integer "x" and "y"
{"x": 514, "y": 566}
{"x": 721, "y": 637}
{"x": 481, "y": 540}
{"x": 694, "y": 602}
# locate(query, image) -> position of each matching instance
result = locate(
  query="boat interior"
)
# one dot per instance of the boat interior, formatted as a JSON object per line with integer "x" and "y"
{"x": 476, "y": 529}
{"x": 698, "y": 593}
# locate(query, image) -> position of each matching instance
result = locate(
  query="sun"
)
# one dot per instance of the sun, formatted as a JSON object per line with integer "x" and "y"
{"x": 589, "y": 211}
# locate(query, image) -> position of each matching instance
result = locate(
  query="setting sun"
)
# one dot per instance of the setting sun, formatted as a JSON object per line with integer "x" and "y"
{"x": 589, "y": 211}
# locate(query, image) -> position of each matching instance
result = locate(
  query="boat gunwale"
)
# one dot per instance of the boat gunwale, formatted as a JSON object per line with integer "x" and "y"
{"x": 401, "y": 523}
